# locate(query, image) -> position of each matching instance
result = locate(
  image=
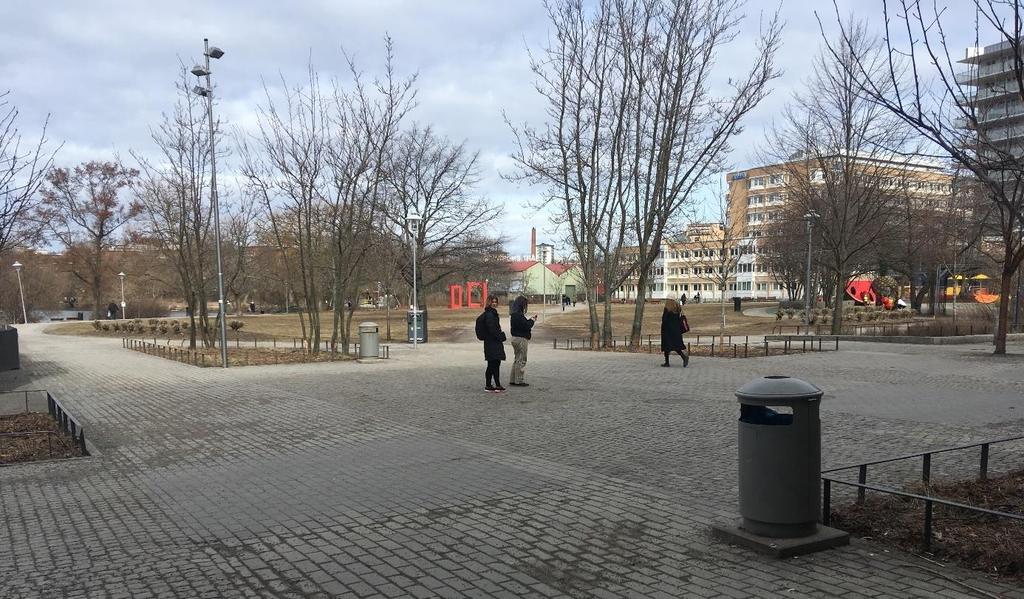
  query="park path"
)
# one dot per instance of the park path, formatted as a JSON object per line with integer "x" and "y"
{"x": 403, "y": 479}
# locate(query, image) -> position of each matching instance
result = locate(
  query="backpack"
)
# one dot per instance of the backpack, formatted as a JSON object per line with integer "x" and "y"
{"x": 684, "y": 323}
{"x": 481, "y": 326}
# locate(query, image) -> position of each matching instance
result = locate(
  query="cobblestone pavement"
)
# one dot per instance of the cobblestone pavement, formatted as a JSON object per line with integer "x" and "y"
{"x": 404, "y": 479}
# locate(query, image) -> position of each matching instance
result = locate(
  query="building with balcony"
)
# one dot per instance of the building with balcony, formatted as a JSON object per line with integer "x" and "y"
{"x": 997, "y": 104}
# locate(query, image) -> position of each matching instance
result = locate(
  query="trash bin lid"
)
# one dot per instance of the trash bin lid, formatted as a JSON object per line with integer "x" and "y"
{"x": 778, "y": 389}
{"x": 367, "y": 325}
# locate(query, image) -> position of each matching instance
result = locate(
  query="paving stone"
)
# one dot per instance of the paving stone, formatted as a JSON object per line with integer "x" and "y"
{"x": 338, "y": 479}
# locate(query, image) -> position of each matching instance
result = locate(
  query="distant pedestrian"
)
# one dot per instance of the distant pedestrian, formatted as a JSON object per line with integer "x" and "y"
{"x": 682, "y": 300}
{"x": 111, "y": 311}
{"x": 672, "y": 332}
{"x": 494, "y": 346}
{"x": 521, "y": 331}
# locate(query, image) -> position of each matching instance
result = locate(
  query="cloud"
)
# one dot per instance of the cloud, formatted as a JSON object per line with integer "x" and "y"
{"x": 107, "y": 69}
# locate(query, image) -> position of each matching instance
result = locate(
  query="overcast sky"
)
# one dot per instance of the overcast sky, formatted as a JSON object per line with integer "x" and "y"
{"x": 105, "y": 70}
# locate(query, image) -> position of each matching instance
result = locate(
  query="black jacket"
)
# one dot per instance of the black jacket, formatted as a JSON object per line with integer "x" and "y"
{"x": 671, "y": 331}
{"x": 494, "y": 340}
{"x": 521, "y": 325}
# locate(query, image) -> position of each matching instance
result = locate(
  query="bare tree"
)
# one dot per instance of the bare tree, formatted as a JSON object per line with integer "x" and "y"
{"x": 635, "y": 126}
{"x": 720, "y": 245}
{"x": 83, "y": 210}
{"x": 923, "y": 89}
{"x": 22, "y": 171}
{"x": 578, "y": 156}
{"x": 844, "y": 162}
{"x": 783, "y": 249}
{"x": 175, "y": 216}
{"x": 437, "y": 178}
{"x": 679, "y": 125}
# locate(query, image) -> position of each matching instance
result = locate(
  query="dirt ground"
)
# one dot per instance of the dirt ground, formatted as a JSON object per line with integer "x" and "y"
{"x": 48, "y": 442}
{"x": 457, "y": 325}
{"x": 976, "y": 541}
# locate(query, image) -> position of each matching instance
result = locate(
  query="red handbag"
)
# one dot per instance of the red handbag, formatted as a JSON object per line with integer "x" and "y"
{"x": 684, "y": 323}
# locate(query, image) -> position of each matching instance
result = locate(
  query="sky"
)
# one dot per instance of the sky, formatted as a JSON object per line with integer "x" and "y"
{"x": 105, "y": 70}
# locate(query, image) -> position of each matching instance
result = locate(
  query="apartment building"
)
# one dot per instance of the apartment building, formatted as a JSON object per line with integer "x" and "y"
{"x": 997, "y": 99}
{"x": 757, "y": 199}
{"x": 693, "y": 265}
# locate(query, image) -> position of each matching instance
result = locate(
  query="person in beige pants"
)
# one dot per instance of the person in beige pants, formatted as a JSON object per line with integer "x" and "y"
{"x": 521, "y": 331}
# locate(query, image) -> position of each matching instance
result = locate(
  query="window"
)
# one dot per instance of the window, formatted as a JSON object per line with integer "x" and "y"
{"x": 775, "y": 180}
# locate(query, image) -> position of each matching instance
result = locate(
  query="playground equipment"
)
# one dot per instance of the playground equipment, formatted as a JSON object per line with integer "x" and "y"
{"x": 460, "y": 296}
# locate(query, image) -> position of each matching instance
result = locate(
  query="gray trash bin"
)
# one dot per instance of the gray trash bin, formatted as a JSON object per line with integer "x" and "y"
{"x": 779, "y": 457}
{"x": 369, "y": 341}
{"x": 10, "y": 359}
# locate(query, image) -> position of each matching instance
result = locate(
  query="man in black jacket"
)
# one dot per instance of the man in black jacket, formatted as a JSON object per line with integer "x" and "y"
{"x": 494, "y": 346}
{"x": 521, "y": 331}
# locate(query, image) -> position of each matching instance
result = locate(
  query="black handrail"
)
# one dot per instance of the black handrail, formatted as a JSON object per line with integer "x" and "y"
{"x": 926, "y": 468}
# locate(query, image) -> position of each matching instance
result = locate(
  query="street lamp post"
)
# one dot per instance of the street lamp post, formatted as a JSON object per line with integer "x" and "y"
{"x": 124, "y": 313}
{"x": 207, "y": 92}
{"x": 21, "y": 291}
{"x": 413, "y": 218}
{"x": 807, "y": 288}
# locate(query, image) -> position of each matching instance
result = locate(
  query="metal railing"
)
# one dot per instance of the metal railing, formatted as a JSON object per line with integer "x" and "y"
{"x": 862, "y": 485}
{"x": 200, "y": 358}
{"x": 65, "y": 421}
{"x": 722, "y": 346}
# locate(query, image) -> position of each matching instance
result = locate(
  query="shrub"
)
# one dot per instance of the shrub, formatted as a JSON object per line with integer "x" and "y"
{"x": 236, "y": 325}
{"x": 778, "y": 315}
{"x": 153, "y": 322}
{"x": 106, "y": 327}
{"x": 116, "y": 326}
{"x": 790, "y": 313}
{"x": 163, "y": 328}
{"x": 176, "y": 327}
{"x": 96, "y": 324}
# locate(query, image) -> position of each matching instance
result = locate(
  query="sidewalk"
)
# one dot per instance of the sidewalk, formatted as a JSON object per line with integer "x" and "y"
{"x": 404, "y": 479}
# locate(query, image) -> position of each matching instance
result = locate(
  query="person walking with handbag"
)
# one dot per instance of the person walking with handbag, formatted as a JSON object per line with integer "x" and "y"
{"x": 488, "y": 330}
{"x": 672, "y": 332}
{"x": 521, "y": 332}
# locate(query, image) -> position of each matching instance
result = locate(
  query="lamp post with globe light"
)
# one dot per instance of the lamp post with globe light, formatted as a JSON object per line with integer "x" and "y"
{"x": 21, "y": 291}
{"x": 124, "y": 313}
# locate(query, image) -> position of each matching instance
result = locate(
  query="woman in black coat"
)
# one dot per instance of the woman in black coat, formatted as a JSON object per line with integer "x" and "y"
{"x": 494, "y": 346}
{"x": 672, "y": 332}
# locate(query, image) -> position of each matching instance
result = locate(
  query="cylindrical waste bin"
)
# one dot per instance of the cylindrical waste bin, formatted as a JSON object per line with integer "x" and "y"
{"x": 421, "y": 325}
{"x": 369, "y": 341}
{"x": 779, "y": 457}
{"x": 736, "y": 304}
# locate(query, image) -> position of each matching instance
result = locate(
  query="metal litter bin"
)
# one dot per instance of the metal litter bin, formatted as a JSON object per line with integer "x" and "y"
{"x": 421, "y": 325}
{"x": 369, "y": 341}
{"x": 779, "y": 457}
{"x": 737, "y": 304}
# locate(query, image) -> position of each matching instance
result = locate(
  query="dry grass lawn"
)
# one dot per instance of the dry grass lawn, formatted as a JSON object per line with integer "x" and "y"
{"x": 457, "y": 325}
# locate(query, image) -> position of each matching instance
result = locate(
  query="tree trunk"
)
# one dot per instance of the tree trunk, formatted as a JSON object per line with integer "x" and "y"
{"x": 721, "y": 327}
{"x": 638, "y": 310}
{"x": 595, "y": 331}
{"x": 1005, "y": 286}
{"x": 837, "y": 308}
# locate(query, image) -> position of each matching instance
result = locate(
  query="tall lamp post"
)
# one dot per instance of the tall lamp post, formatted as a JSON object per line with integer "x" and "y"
{"x": 207, "y": 92}
{"x": 413, "y": 218}
{"x": 807, "y": 289}
{"x": 124, "y": 313}
{"x": 21, "y": 291}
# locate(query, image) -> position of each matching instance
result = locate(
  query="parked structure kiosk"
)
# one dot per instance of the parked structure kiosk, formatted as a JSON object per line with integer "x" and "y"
{"x": 780, "y": 470}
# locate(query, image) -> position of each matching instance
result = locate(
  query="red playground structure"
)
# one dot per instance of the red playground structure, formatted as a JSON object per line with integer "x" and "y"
{"x": 463, "y": 297}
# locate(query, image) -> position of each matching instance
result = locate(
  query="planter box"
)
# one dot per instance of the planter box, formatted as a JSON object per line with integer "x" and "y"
{"x": 9, "y": 359}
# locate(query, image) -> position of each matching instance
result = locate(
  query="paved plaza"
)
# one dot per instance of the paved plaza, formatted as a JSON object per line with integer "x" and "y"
{"x": 404, "y": 479}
